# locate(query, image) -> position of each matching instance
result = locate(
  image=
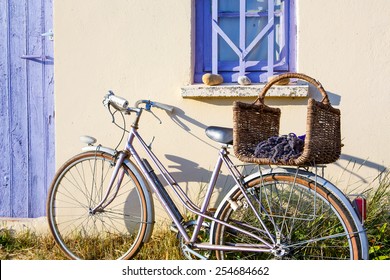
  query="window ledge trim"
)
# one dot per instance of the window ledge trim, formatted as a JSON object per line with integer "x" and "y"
{"x": 234, "y": 90}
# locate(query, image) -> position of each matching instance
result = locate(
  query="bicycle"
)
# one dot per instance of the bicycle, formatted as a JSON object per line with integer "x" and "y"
{"x": 100, "y": 205}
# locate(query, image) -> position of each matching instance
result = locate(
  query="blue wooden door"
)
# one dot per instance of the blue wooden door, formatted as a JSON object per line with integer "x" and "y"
{"x": 27, "y": 107}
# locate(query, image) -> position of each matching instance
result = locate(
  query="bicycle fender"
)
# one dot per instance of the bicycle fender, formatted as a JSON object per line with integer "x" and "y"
{"x": 144, "y": 185}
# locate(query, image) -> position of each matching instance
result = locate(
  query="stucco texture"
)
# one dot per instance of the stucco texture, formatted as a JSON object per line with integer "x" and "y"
{"x": 144, "y": 50}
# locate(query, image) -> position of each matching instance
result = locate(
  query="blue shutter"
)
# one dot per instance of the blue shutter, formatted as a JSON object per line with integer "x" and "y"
{"x": 27, "y": 107}
{"x": 242, "y": 37}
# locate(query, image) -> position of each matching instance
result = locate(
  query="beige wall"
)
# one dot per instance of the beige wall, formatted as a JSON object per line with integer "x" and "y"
{"x": 346, "y": 44}
{"x": 144, "y": 50}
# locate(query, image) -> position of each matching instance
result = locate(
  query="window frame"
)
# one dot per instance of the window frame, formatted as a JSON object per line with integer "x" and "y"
{"x": 258, "y": 71}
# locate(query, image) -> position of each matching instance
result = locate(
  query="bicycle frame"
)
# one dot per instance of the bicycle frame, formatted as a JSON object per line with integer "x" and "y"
{"x": 168, "y": 204}
{"x": 272, "y": 210}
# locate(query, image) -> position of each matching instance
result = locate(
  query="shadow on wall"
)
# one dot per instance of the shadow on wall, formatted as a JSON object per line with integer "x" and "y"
{"x": 194, "y": 179}
{"x": 189, "y": 171}
{"x": 335, "y": 99}
{"x": 354, "y": 165}
{"x": 180, "y": 118}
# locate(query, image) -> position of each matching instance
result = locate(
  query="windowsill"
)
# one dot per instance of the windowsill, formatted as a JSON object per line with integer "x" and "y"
{"x": 235, "y": 90}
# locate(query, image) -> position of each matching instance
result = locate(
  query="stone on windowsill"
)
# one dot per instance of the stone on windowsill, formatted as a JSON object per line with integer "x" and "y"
{"x": 212, "y": 79}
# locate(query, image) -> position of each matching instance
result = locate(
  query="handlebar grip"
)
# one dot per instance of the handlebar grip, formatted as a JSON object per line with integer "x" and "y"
{"x": 118, "y": 101}
{"x": 162, "y": 106}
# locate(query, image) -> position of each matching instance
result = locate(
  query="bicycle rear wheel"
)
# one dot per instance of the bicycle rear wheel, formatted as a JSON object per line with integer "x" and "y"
{"x": 113, "y": 232}
{"x": 299, "y": 219}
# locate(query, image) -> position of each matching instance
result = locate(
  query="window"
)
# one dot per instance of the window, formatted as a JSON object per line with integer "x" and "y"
{"x": 244, "y": 37}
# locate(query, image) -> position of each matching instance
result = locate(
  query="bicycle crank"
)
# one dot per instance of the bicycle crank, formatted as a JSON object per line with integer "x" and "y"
{"x": 203, "y": 236}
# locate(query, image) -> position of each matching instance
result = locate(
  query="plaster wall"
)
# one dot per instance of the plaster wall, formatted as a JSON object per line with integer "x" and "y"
{"x": 144, "y": 50}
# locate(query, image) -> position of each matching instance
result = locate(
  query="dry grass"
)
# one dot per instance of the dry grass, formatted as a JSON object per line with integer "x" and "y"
{"x": 164, "y": 244}
{"x": 29, "y": 246}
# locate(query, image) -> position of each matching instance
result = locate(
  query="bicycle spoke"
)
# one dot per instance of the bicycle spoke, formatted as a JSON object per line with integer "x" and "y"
{"x": 108, "y": 232}
{"x": 304, "y": 224}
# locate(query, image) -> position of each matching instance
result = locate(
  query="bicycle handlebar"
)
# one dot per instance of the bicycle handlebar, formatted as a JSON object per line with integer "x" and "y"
{"x": 162, "y": 106}
{"x": 121, "y": 103}
{"x": 117, "y": 101}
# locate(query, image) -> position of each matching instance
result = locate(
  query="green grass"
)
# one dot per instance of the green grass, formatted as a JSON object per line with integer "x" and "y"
{"x": 164, "y": 244}
{"x": 378, "y": 219}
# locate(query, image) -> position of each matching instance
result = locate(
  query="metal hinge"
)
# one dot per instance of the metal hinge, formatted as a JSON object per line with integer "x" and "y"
{"x": 49, "y": 35}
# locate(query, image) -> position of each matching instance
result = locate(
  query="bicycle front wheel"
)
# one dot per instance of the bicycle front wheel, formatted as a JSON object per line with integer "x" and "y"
{"x": 114, "y": 231}
{"x": 296, "y": 218}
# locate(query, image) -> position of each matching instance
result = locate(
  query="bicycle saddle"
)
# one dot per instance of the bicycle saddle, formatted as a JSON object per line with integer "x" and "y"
{"x": 219, "y": 134}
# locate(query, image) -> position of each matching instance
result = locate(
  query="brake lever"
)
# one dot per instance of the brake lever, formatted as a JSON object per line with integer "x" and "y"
{"x": 111, "y": 113}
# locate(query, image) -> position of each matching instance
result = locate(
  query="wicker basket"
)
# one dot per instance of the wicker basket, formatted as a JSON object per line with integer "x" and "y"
{"x": 255, "y": 122}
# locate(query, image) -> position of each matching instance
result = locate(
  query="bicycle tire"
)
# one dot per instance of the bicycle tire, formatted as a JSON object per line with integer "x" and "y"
{"x": 115, "y": 232}
{"x": 305, "y": 220}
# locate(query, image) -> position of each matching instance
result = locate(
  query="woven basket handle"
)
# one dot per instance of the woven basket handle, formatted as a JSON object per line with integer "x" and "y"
{"x": 300, "y": 76}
